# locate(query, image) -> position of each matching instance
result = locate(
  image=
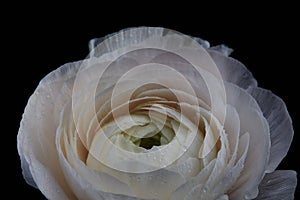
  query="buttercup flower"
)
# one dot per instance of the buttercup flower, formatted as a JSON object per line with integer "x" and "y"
{"x": 155, "y": 114}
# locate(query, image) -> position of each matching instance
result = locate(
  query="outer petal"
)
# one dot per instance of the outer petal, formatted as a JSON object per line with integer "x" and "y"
{"x": 36, "y": 137}
{"x": 47, "y": 181}
{"x": 281, "y": 129}
{"x": 232, "y": 70}
{"x": 225, "y": 50}
{"x": 131, "y": 37}
{"x": 25, "y": 165}
{"x": 278, "y": 185}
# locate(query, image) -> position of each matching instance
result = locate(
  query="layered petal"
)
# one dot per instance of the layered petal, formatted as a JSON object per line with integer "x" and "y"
{"x": 232, "y": 70}
{"x": 36, "y": 137}
{"x": 253, "y": 122}
{"x": 280, "y": 123}
{"x": 280, "y": 184}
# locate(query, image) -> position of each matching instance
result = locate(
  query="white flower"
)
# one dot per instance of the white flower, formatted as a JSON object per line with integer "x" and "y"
{"x": 154, "y": 114}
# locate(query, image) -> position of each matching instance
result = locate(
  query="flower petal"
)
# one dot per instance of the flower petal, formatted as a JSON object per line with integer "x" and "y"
{"x": 223, "y": 197}
{"x": 87, "y": 190}
{"x": 36, "y": 137}
{"x": 280, "y": 184}
{"x": 253, "y": 122}
{"x": 281, "y": 128}
{"x": 196, "y": 182}
{"x": 85, "y": 182}
{"x": 47, "y": 182}
{"x": 232, "y": 174}
{"x": 123, "y": 38}
{"x": 25, "y": 165}
{"x": 223, "y": 49}
{"x": 232, "y": 70}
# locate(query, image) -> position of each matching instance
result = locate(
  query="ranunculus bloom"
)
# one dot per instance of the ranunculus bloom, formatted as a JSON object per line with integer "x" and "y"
{"x": 154, "y": 114}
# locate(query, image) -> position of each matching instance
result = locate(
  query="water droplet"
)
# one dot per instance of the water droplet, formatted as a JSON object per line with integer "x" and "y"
{"x": 205, "y": 189}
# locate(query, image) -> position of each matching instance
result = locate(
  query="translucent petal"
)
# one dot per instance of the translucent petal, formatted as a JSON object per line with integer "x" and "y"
{"x": 223, "y": 49}
{"x": 281, "y": 128}
{"x": 232, "y": 70}
{"x": 122, "y": 39}
{"x": 202, "y": 42}
{"x": 278, "y": 185}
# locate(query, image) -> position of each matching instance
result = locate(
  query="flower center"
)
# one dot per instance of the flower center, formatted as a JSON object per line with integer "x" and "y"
{"x": 148, "y": 143}
{"x": 148, "y": 135}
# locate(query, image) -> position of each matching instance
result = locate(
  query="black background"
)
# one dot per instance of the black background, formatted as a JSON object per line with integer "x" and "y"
{"x": 264, "y": 39}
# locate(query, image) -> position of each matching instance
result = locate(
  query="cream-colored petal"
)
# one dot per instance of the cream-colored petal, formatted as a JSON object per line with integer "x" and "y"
{"x": 185, "y": 191}
{"x": 83, "y": 189}
{"x": 232, "y": 172}
{"x": 36, "y": 137}
{"x": 24, "y": 164}
{"x": 236, "y": 159}
{"x": 47, "y": 181}
{"x": 81, "y": 178}
{"x": 253, "y": 122}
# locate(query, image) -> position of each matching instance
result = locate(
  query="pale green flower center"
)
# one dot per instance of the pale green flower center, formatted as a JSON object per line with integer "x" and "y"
{"x": 153, "y": 138}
